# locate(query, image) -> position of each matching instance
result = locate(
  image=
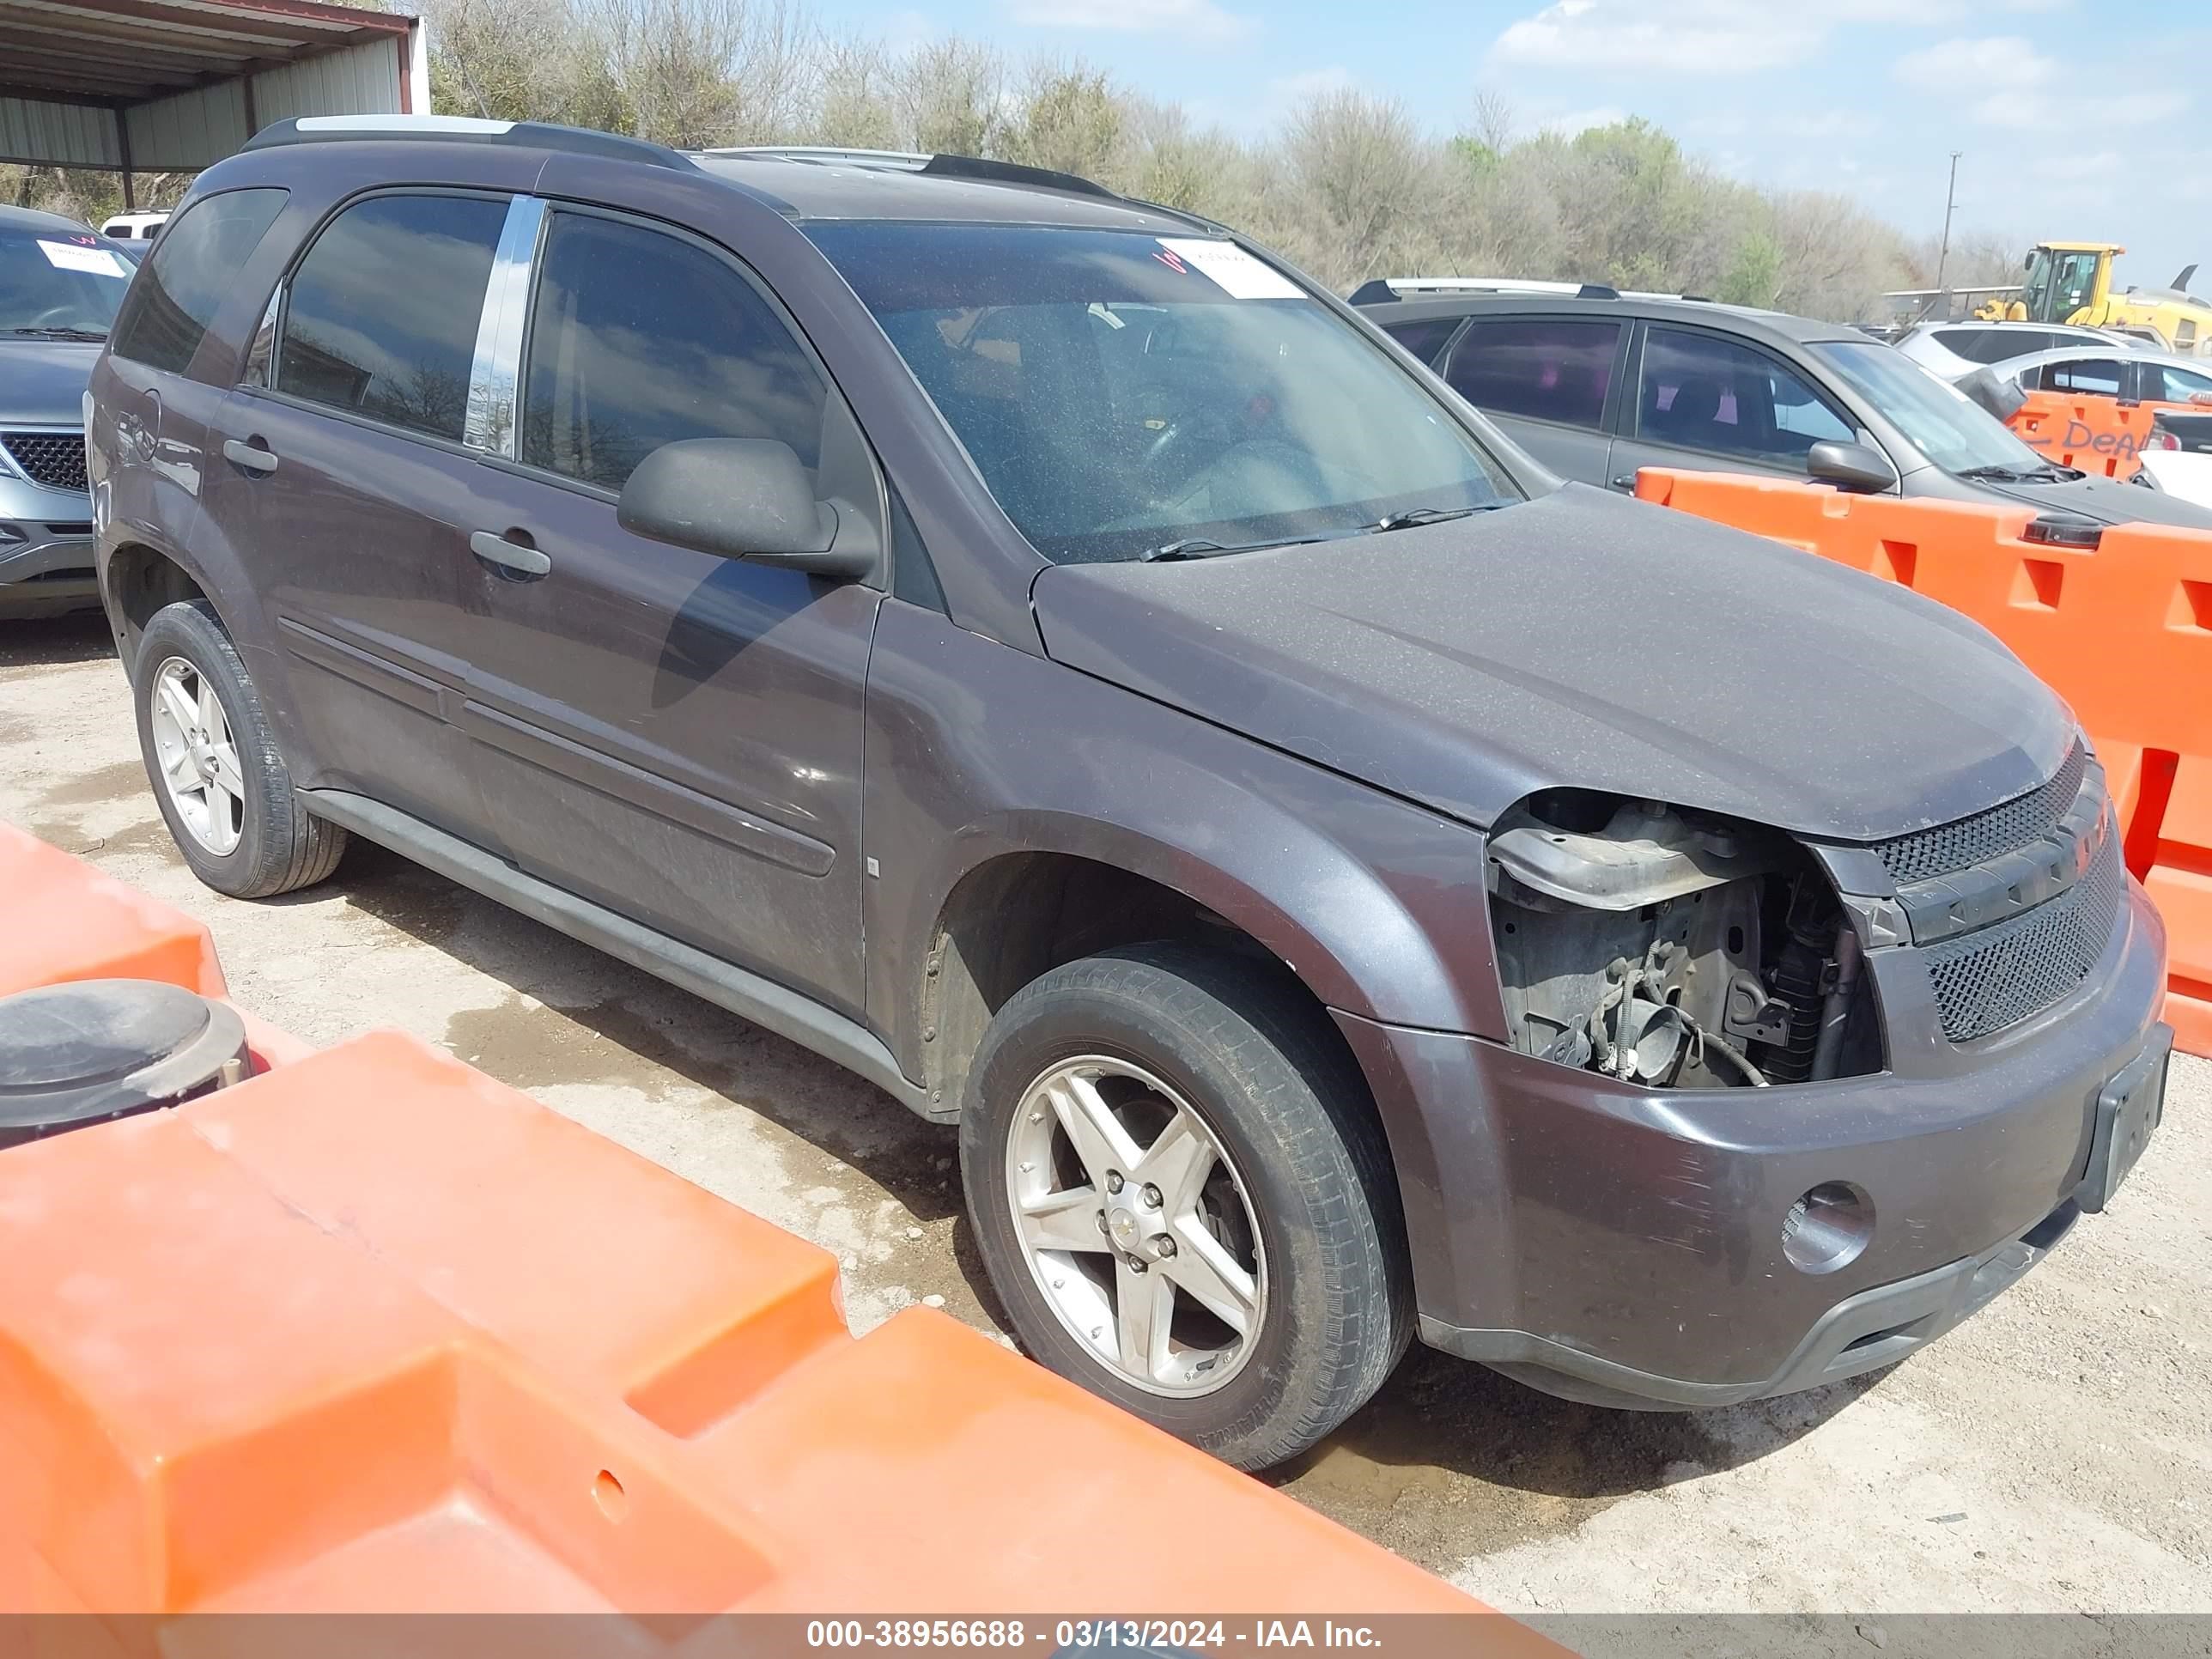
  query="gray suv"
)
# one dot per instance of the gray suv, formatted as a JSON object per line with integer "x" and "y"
{"x": 1600, "y": 384}
{"x": 60, "y": 285}
{"x": 1046, "y": 654}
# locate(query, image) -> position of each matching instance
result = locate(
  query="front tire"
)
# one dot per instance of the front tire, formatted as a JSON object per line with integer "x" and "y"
{"x": 217, "y": 774}
{"x": 1184, "y": 1200}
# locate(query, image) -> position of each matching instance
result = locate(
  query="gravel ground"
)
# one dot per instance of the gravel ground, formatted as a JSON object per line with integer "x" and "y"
{"x": 2053, "y": 1455}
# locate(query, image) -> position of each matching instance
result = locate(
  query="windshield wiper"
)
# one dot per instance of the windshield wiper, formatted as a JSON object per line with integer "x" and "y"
{"x": 1204, "y": 547}
{"x": 2001, "y": 474}
{"x": 59, "y": 333}
{"x": 1428, "y": 516}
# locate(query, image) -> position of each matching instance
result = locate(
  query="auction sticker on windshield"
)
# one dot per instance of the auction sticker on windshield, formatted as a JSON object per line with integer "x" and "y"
{"x": 63, "y": 256}
{"x": 1233, "y": 270}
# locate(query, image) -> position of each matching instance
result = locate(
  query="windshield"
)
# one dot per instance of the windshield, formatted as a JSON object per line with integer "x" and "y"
{"x": 1124, "y": 394}
{"x": 60, "y": 282}
{"x": 1940, "y": 424}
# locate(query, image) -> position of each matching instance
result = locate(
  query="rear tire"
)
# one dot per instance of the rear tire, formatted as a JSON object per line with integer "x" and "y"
{"x": 212, "y": 760}
{"x": 1314, "y": 1269}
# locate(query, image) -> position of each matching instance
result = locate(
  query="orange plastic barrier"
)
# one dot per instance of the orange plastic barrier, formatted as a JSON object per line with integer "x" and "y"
{"x": 372, "y": 1332}
{"x": 2122, "y": 632}
{"x": 2102, "y": 435}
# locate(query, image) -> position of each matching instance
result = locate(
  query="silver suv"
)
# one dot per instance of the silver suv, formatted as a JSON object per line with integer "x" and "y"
{"x": 60, "y": 284}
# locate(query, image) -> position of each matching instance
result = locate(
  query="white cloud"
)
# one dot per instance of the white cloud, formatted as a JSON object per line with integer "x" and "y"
{"x": 1711, "y": 37}
{"x": 1582, "y": 120}
{"x": 2004, "y": 81}
{"x": 1677, "y": 37}
{"x": 1194, "y": 19}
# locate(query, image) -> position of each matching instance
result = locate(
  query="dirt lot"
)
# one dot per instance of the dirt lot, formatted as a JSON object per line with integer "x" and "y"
{"x": 2053, "y": 1455}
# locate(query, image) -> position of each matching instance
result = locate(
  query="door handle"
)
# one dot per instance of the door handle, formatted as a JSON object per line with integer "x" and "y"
{"x": 526, "y": 563}
{"x": 250, "y": 455}
{"x": 1626, "y": 481}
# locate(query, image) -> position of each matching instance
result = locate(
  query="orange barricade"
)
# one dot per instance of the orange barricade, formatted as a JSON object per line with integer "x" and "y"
{"x": 372, "y": 1332}
{"x": 2101, "y": 435}
{"x": 2122, "y": 632}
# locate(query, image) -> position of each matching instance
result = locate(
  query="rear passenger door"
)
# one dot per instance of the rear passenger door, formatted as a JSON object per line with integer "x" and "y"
{"x": 1712, "y": 403}
{"x": 340, "y": 472}
{"x": 1549, "y": 381}
{"x": 674, "y": 735}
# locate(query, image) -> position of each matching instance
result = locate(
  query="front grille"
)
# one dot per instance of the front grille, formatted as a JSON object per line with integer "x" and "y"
{"x": 55, "y": 459}
{"x": 1986, "y": 835}
{"x": 1998, "y": 975}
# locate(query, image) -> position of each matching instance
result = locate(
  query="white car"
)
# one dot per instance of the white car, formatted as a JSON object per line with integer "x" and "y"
{"x": 2104, "y": 371}
{"x": 1950, "y": 350}
{"x": 2184, "y": 476}
{"x": 134, "y": 227}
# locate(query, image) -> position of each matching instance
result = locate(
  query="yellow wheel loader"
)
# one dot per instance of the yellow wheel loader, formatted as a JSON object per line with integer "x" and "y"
{"x": 2072, "y": 283}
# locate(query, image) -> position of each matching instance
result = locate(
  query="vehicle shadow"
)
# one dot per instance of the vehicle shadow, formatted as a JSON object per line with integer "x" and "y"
{"x": 1439, "y": 1411}
{"x": 47, "y": 641}
{"x": 634, "y": 1017}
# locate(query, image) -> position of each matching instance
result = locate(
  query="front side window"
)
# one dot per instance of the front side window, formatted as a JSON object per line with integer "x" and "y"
{"x": 1936, "y": 417}
{"x": 1708, "y": 393}
{"x": 1122, "y": 393}
{"x": 190, "y": 274}
{"x": 381, "y": 317}
{"x": 640, "y": 339}
{"x": 1550, "y": 369}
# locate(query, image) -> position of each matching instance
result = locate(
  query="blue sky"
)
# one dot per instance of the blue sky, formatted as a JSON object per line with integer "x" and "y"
{"x": 2079, "y": 119}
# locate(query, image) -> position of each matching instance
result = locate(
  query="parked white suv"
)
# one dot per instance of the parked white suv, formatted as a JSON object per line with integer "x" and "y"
{"x": 1954, "y": 349}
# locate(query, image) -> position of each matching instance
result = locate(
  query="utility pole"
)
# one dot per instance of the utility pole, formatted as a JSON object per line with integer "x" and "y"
{"x": 1943, "y": 252}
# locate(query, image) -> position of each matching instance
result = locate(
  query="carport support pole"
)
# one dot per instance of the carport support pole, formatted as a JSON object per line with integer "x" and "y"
{"x": 123, "y": 148}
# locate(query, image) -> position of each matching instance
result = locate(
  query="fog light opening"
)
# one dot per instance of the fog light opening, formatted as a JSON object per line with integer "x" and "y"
{"x": 1828, "y": 1228}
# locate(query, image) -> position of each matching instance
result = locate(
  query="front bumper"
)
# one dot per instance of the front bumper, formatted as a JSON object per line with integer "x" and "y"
{"x": 1624, "y": 1246}
{"x": 45, "y": 548}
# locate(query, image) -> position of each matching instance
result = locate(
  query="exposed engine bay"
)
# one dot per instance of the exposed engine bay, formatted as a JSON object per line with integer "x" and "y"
{"x": 1672, "y": 949}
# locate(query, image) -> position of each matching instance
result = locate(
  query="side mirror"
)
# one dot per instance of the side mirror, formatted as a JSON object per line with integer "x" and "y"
{"x": 1850, "y": 466}
{"x": 740, "y": 498}
{"x": 2000, "y": 399}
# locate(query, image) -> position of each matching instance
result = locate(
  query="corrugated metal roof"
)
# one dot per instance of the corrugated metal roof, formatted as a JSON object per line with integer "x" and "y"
{"x": 186, "y": 81}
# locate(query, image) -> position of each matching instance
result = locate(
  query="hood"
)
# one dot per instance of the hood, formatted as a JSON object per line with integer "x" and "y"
{"x": 1582, "y": 640}
{"x": 42, "y": 382}
{"x": 2106, "y": 500}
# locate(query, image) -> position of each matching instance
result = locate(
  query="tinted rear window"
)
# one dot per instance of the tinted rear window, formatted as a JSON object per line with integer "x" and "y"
{"x": 188, "y": 273}
{"x": 1554, "y": 369}
{"x": 1425, "y": 339}
{"x": 382, "y": 316}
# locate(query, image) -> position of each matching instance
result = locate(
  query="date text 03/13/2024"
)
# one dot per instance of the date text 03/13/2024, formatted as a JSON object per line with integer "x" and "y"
{"x": 1161, "y": 1637}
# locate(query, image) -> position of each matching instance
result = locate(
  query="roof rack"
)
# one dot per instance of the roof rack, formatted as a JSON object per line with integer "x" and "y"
{"x": 466, "y": 129}
{"x": 1381, "y": 289}
{"x": 935, "y": 166}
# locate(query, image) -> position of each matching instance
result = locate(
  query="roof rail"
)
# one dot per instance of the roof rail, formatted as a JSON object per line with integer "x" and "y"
{"x": 935, "y": 166}
{"x": 899, "y": 161}
{"x": 467, "y": 129}
{"x": 1378, "y": 291}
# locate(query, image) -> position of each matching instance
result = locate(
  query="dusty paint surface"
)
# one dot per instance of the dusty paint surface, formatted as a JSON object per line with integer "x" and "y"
{"x": 2054, "y": 1453}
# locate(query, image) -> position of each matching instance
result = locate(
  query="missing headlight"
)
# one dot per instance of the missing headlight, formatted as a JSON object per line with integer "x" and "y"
{"x": 1672, "y": 949}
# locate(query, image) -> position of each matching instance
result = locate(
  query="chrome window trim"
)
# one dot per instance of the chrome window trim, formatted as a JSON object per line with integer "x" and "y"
{"x": 495, "y": 373}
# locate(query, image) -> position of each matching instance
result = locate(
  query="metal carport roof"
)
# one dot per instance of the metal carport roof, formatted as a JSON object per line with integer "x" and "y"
{"x": 155, "y": 86}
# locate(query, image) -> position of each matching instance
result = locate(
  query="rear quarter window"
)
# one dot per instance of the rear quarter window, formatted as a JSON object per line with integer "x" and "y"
{"x": 189, "y": 274}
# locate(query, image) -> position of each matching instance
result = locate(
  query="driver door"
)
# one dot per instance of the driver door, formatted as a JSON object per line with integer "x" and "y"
{"x": 674, "y": 735}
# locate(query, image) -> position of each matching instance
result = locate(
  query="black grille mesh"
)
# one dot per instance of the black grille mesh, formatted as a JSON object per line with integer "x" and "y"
{"x": 1998, "y": 975}
{"x": 1986, "y": 836}
{"x": 55, "y": 459}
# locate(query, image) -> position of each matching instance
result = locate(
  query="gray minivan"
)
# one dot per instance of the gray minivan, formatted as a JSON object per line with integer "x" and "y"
{"x": 1052, "y": 657}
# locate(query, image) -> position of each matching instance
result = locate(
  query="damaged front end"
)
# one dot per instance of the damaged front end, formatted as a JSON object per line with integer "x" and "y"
{"x": 1673, "y": 949}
